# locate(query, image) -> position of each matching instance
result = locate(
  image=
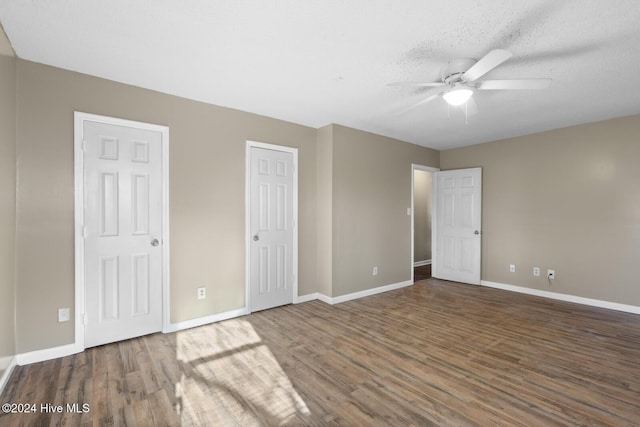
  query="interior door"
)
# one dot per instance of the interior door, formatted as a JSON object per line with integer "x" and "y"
{"x": 271, "y": 226}
{"x": 122, "y": 231}
{"x": 457, "y": 225}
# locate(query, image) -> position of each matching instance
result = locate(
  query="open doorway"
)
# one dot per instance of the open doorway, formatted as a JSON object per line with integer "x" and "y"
{"x": 421, "y": 208}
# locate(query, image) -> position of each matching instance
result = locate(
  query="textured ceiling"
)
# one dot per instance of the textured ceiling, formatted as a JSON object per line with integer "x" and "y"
{"x": 317, "y": 62}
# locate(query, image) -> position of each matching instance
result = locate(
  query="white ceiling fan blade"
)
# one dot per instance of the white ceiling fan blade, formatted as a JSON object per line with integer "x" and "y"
{"x": 418, "y": 84}
{"x": 427, "y": 99}
{"x": 520, "y": 84}
{"x": 490, "y": 61}
{"x": 431, "y": 94}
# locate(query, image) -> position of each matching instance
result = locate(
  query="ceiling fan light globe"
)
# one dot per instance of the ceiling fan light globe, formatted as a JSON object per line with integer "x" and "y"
{"x": 458, "y": 96}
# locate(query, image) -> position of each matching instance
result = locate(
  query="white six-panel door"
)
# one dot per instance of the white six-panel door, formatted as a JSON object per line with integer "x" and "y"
{"x": 122, "y": 232}
{"x": 271, "y": 264}
{"x": 457, "y": 225}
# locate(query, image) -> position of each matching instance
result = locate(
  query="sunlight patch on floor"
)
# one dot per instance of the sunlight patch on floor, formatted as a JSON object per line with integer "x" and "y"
{"x": 231, "y": 373}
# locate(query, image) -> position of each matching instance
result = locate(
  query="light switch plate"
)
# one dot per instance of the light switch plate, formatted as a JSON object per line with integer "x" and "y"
{"x": 64, "y": 315}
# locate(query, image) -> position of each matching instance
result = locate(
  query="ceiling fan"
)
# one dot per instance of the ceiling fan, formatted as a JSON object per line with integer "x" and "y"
{"x": 460, "y": 79}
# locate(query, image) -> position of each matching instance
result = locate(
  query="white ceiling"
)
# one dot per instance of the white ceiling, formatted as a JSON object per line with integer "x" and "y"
{"x": 317, "y": 62}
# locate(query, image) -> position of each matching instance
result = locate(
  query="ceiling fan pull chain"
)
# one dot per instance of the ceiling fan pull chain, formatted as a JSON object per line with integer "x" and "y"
{"x": 466, "y": 113}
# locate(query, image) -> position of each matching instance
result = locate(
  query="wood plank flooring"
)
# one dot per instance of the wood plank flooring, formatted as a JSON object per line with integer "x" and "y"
{"x": 421, "y": 273}
{"x": 436, "y": 353}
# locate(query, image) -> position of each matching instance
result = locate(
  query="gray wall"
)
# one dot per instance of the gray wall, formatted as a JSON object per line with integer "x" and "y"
{"x": 7, "y": 207}
{"x": 568, "y": 200}
{"x": 371, "y": 194}
{"x": 207, "y": 158}
{"x": 324, "y": 167}
{"x": 421, "y": 215}
{"x": 207, "y": 184}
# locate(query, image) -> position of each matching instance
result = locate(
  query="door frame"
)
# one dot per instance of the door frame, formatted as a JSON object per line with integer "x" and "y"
{"x": 247, "y": 203}
{"x": 415, "y": 167}
{"x": 79, "y": 120}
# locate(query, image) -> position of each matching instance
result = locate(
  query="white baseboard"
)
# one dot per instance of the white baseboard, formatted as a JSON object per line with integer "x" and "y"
{"x": 564, "y": 297}
{"x": 306, "y": 298}
{"x": 325, "y": 299}
{"x": 5, "y": 362}
{"x": 200, "y": 321}
{"x": 348, "y": 297}
{"x": 365, "y": 293}
{"x": 6, "y": 365}
{"x": 69, "y": 349}
{"x": 66, "y": 350}
{"x": 47, "y": 354}
{"x": 421, "y": 263}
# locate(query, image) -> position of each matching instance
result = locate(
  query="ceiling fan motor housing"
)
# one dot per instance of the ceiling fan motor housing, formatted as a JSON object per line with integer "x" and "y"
{"x": 453, "y": 71}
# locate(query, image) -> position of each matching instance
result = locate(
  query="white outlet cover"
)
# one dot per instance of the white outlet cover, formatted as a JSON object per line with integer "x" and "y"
{"x": 64, "y": 315}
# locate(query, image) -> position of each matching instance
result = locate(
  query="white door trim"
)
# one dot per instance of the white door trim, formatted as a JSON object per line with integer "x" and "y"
{"x": 247, "y": 204}
{"x": 79, "y": 120}
{"x": 415, "y": 167}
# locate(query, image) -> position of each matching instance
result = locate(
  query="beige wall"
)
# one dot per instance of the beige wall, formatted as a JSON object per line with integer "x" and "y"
{"x": 421, "y": 215}
{"x": 5, "y": 44}
{"x": 207, "y": 179}
{"x": 324, "y": 168}
{"x": 7, "y": 207}
{"x": 371, "y": 188}
{"x": 371, "y": 194}
{"x": 568, "y": 200}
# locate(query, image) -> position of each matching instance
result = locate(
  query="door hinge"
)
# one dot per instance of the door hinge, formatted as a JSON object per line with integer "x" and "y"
{"x": 84, "y": 145}
{"x": 84, "y": 231}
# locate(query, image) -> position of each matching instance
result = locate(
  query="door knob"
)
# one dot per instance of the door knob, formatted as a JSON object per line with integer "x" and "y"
{"x": 155, "y": 242}
{"x": 256, "y": 238}
{"x": 476, "y": 232}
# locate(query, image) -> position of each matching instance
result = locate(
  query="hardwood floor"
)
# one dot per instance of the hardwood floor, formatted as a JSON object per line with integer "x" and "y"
{"x": 421, "y": 273}
{"x": 436, "y": 353}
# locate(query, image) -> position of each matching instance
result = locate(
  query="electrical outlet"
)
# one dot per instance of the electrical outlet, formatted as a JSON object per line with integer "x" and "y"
{"x": 536, "y": 271}
{"x": 512, "y": 268}
{"x": 202, "y": 292}
{"x": 375, "y": 270}
{"x": 551, "y": 274}
{"x": 64, "y": 315}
